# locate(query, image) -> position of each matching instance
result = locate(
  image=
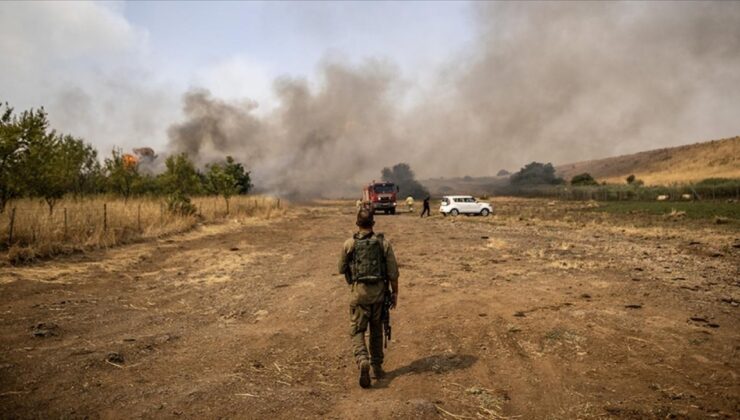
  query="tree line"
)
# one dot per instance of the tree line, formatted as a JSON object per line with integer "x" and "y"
{"x": 539, "y": 179}
{"x": 36, "y": 161}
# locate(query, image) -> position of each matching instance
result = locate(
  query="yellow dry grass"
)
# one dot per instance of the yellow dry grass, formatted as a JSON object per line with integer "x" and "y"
{"x": 684, "y": 164}
{"x": 103, "y": 221}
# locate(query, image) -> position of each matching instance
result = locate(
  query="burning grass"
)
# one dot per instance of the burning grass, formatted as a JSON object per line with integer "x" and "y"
{"x": 99, "y": 222}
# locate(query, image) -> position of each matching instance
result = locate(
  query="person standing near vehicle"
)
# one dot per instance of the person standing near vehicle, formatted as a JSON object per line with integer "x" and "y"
{"x": 410, "y": 203}
{"x": 426, "y": 208}
{"x": 369, "y": 265}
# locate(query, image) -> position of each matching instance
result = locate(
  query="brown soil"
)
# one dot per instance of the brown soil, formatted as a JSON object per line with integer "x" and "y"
{"x": 541, "y": 311}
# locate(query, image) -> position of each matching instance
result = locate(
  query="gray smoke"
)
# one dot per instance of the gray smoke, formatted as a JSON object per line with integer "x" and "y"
{"x": 554, "y": 82}
{"x": 314, "y": 143}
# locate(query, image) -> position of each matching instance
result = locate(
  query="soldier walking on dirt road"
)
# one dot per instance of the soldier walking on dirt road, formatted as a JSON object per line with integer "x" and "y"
{"x": 368, "y": 263}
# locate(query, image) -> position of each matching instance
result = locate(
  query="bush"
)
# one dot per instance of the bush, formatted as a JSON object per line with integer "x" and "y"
{"x": 180, "y": 205}
{"x": 21, "y": 255}
{"x": 536, "y": 173}
{"x": 708, "y": 182}
{"x": 583, "y": 179}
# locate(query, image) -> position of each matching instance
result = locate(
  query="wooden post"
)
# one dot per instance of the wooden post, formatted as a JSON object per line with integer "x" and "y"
{"x": 10, "y": 228}
{"x": 105, "y": 217}
{"x": 138, "y": 217}
{"x": 65, "y": 223}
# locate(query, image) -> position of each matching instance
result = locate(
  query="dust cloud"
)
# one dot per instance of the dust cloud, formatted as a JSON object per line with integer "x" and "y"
{"x": 555, "y": 82}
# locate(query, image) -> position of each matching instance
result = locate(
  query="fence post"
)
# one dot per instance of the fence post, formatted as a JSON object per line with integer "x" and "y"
{"x": 65, "y": 223}
{"x": 138, "y": 217}
{"x": 10, "y": 228}
{"x": 105, "y": 217}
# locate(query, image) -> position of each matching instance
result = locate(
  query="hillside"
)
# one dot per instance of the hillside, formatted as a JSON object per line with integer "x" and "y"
{"x": 690, "y": 163}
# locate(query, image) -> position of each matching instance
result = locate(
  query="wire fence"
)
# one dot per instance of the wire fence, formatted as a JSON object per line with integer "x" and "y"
{"x": 104, "y": 221}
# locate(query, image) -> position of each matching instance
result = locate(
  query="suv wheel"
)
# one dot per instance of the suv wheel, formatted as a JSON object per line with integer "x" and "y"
{"x": 454, "y": 212}
{"x": 485, "y": 212}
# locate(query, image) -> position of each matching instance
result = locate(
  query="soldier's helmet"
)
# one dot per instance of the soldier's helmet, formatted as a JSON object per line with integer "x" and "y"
{"x": 365, "y": 218}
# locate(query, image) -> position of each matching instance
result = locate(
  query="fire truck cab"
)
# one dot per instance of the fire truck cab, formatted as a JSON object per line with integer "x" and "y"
{"x": 380, "y": 196}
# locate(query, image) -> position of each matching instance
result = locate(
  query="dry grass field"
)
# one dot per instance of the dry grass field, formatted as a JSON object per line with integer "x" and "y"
{"x": 99, "y": 222}
{"x": 683, "y": 164}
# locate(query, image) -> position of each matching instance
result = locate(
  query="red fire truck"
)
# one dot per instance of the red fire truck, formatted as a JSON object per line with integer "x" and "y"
{"x": 380, "y": 196}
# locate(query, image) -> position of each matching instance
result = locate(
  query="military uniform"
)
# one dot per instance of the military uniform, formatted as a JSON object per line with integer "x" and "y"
{"x": 366, "y": 300}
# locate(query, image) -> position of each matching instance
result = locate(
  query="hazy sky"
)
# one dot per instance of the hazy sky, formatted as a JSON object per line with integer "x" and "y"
{"x": 318, "y": 91}
{"x": 98, "y": 67}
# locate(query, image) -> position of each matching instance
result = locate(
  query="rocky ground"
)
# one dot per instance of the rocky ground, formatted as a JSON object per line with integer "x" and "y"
{"x": 543, "y": 310}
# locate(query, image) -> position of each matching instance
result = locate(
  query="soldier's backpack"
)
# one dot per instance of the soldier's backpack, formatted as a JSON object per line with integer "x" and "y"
{"x": 368, "y": 259}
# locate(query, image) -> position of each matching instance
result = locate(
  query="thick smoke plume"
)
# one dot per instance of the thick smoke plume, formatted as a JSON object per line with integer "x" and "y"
{"x": 556, "y": 82}
{"x": 314, "y": 143}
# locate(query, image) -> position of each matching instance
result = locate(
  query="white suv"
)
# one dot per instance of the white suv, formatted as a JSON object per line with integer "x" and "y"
{"x": 456, "y": 204}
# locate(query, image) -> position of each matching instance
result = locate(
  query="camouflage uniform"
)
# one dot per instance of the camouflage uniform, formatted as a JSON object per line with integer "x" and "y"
{"x": 366, "y": 302}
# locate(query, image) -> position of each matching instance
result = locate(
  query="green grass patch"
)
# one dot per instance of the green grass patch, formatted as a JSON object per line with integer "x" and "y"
{"x": 693, "y": 210}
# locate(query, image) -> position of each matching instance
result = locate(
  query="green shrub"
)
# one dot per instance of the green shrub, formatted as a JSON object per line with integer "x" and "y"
{"x": 583, "y": 179}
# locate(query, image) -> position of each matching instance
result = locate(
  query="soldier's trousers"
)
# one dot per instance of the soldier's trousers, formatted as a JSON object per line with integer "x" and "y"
{"x": 362, "y": 316}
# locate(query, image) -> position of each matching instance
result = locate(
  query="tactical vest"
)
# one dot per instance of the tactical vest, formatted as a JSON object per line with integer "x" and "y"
{"x": 368, "y": 259}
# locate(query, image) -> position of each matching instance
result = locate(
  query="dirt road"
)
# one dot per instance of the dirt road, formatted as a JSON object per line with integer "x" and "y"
{"x": 505, "y": 316}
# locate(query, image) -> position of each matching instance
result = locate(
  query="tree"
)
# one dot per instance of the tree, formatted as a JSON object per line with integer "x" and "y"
{"x": 221, "y": 182}
{"x": 50, "y": 167}
{"x": 180, "y": 176}
{"x": 122, "y": 176}
{"x": 180, "y": 180}
{"x": 11, "y": 148}
{"x": 51, "y": 163}
{"x": 240, "y": 175}
{"x": 38, "y": 162}
{"x": 81, "y": 166}
{"x": 630, "y": 179}
{"x": 583, "y": 179}
{"x": 402, "y": 175}
{"x": 503, "y": 172}
{"x": 90, "y": 179}
{"x": 536, "y": 173}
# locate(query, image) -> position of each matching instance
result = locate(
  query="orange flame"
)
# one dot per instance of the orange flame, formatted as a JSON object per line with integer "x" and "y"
{"x": 129, "y": 161}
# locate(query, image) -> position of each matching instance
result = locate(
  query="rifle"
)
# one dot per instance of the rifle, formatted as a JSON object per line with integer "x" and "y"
{"x": 385, "y": 316}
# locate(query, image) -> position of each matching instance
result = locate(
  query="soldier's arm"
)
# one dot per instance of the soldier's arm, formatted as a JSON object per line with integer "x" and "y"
{"x": 344, "y": 257}
{"x": 391, "y": 267}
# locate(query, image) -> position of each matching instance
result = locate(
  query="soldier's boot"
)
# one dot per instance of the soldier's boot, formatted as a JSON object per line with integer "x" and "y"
{"x": 365, "y": 374}
{"x": 378, "y": 372}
